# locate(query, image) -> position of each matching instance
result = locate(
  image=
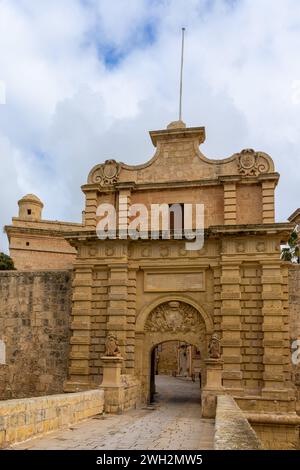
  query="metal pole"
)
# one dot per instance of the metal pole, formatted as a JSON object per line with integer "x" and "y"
{"x": 181, "y": 71}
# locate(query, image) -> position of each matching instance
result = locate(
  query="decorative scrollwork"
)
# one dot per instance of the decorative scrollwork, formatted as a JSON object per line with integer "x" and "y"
{"x": 173, "y": 316}
{"x": 251, "y": 163}
{"x": 105, "y": 174}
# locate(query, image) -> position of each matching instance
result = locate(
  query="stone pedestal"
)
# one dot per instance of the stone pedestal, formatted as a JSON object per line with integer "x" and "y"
{"x": 112, "y": 384}
{"x": 213, "y": 387}
{"x": 111, "y": 371}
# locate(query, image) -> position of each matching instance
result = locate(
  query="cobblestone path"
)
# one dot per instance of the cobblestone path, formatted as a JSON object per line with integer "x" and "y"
{"x": 174, "y": 422}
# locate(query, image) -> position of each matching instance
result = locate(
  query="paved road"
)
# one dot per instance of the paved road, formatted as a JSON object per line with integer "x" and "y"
{"x": 173, "y": 423}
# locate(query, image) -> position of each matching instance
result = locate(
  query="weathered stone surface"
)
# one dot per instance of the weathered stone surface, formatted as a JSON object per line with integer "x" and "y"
{"x": 232, "y": 430}
{"x": 35, "y": 327}
{"x": 294, "y": 314}
{"x": 25, "y": 418}
{"x": 277, "y": 431}
{"x": 173, "y": 423}
{"x": 35, "y": 243}
{"x": 148, "y": 291}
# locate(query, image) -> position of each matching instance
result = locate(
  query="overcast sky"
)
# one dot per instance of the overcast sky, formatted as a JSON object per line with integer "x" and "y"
{"x": 86, "y": 79}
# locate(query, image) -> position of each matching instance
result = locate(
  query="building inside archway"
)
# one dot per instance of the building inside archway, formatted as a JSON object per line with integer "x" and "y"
{"x": 175, "y": 365}
{"x": 178, "y": 358}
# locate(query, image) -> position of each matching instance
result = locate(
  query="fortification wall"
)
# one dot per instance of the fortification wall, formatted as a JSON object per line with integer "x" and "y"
{"x": 294, "y": 309}
{"x": 34, "y": 332}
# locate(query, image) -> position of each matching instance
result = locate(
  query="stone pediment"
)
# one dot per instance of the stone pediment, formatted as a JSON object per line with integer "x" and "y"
{"x": 178, "y": 158}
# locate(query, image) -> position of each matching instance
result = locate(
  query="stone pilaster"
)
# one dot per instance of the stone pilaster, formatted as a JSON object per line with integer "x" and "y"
{"x": 117, "y": 303}
{"x": 231, "y": 326}
{"x": 79, "y": 364}
{"x": 90, "y": 209}
{"x": 217, "y": 300}
{"x": 275, "y": 330}
{"x": 268, "y": 205}
{"x": 124, "y": 195}
{"x": 131, "y": 317}
{"x": 230, "y": 203}
{"x": 252, "y": 336}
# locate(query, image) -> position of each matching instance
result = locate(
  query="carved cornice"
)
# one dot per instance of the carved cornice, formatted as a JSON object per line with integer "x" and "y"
{"x": 170, "y": 133}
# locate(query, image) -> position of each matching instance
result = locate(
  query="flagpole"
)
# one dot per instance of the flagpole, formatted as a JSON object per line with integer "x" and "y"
{"x": 181, "y": 73}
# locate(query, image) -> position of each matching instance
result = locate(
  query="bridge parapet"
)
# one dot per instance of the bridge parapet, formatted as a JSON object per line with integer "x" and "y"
{"x": 232, "y": 429}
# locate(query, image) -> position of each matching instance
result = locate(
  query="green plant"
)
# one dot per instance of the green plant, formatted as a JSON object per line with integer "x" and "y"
{"x": 6, "y": 263}
{"x": 291, "y": 251}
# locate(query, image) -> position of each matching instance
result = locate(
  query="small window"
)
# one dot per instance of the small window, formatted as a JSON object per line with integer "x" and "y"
{"x": 28, "y": 211}
{"x": 27, "y": 243}
{"x": 176, "y": 217}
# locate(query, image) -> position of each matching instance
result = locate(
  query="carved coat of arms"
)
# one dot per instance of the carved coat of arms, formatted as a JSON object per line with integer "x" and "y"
{"x": 173, "y": 316}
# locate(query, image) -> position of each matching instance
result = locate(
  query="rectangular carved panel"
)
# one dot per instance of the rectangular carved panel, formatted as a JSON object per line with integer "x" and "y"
{"x": 173, "y": 281}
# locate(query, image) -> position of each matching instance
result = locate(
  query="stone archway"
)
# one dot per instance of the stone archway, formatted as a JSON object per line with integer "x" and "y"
{"x": 170, "y": 320}
{"x": 180, "y": 355}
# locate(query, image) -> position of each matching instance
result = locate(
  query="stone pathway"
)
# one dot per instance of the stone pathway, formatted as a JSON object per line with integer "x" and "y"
{"x": 174, "y": 422}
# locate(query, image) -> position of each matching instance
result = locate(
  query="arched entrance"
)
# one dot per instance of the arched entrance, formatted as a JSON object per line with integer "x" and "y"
{"x": 170, "y": 319}
{"x": 175, "y": 359}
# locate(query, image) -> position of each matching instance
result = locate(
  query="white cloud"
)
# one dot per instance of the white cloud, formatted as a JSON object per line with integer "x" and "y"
{"x": 66, "y": 109}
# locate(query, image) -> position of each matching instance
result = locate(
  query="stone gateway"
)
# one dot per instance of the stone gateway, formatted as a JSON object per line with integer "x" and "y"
{"x": 229, "y": 299}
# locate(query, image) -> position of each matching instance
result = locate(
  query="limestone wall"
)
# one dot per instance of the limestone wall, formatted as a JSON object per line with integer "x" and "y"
{"x": 167, "y": 361}
{"x": 275, "y": 422}
{"x": 125, "y": 397}
{"x": 40, "y": 244}
{"x": 132, "y": 392}
{"x": 276, "y": 431}
{"x": 24, "y": 418}
{"x": 294, "y": 309}
{"x": 232, "y": 430}
{"x": 41, "y": 253}
{"x": 34, "y": 326}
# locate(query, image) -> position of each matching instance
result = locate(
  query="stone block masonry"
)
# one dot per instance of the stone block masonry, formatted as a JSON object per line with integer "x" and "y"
{"x": 25, "y": 418}
{"x": 232, "y": 430}
{"x": 150, "y": 291}
{"x": 123, "y": 398}
{"x": 35, "y": 329}
{"x": 294, "y": 312}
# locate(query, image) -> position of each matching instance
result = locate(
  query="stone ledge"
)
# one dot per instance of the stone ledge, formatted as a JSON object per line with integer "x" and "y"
{"x": 22, "y": 419}
{"x": 232, "y": 430}
{"x": 291, "y": 419}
